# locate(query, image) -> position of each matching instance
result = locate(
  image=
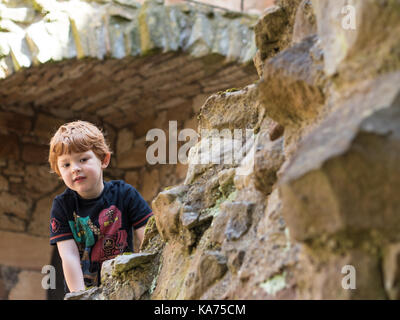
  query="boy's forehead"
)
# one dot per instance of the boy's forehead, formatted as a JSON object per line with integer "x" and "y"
{"x": 72, "y": 154}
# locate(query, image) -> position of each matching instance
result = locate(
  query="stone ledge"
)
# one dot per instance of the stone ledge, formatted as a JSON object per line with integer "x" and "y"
{"x": 124, "y": 263}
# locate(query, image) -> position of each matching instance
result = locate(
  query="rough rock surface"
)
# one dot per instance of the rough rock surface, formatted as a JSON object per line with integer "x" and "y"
{"x": 319, "y": 193}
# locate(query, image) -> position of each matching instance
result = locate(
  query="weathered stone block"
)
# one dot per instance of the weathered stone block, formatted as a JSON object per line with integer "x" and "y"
{"x": 15, "y": 122}
{"x": 35, "y": 153}
{"x": 125, "y": 141}
{"x": 126, "y": 262}
{"x": 3, "y": 183}
{"x": 181, "y": 171}
{"x": 134, "y": 158}
{"x": 189, "y": 218}
{"x": 9, "y": 147}
{"x": 107, "y": 270}
{"x": 268, "y": 158}
{"x": 338, "y": 177}
{"x": 15, "y": 205}
{"x": 353, "y": 275}
{"x": 132, "y": 177}
{"x": 231, "y": 110}
{"x": 391, "y": 270}
{"x": 90, "y": 294}
{"x": 235, "y": 260}
{"x": 210, "y": 267}
{"x": 39, "y": 222}
{"x": 11, "y": 222}
{"x": 291, "y": 88}
{"x": 198, "y": 102}
{"x": 268, "y": 30}
{"x": 45, "y": 126}
{"x": 28, "y": 287}
{"x": 276, "y": 131}
{"x": 38, "y": 179}
{"x": 305, "y": 22}
{"x": 350, "y": 32}
{"x": 24, "y": 251}
{"x": 167, "y": 207}
{"x": 239, "y": 218}
{"x": 225, "y": 180}
{"x": 150, "y": 185}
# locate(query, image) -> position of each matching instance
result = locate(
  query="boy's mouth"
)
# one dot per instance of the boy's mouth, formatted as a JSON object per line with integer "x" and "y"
{"x": 79, "y": 179}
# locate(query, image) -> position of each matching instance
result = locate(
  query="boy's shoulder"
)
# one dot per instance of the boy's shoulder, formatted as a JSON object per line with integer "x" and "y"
{"x": 112, "y": 186}
{"x": 66, "y": 195}
{"x": 123, "y": 190}
{"x": 119, "y": 186}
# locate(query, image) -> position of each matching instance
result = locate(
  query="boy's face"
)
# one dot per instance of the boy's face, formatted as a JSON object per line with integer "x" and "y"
{"x": 83, "y": 172}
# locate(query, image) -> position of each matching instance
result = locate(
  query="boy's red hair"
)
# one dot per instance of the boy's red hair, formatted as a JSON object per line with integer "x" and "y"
{"x": 77, "y": 136}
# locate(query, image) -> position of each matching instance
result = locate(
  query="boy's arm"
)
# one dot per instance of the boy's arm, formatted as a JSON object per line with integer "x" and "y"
{"x": 139, "y": 235}
{"x": 71, "y": 265}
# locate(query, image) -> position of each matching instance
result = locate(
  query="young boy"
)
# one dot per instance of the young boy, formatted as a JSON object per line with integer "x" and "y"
{"x": 92, "y": 220}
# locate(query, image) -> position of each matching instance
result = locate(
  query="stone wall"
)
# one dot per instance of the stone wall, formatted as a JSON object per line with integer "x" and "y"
{"x": 312, "y": 211}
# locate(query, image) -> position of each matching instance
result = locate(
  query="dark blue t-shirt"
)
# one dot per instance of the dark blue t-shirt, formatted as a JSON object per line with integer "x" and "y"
{"x": 101, "y": 227}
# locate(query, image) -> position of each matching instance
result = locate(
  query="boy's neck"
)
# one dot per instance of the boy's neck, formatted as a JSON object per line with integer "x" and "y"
{"x": 95, "y": 194}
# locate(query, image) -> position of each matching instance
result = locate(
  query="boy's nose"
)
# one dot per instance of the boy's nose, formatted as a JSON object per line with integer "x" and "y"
{"x": 76, "y": 168}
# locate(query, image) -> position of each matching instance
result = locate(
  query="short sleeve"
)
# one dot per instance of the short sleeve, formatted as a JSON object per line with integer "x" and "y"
{"x": 138, "y": 209}
{"x": 59, "y": 227}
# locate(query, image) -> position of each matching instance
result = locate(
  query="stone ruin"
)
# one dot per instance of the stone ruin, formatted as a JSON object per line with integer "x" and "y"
{"x": 124, "y": 66}
{"x": 319, "y": 193}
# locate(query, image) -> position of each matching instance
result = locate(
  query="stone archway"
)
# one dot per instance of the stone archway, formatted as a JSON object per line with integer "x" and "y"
{"x": 125, "y": 67}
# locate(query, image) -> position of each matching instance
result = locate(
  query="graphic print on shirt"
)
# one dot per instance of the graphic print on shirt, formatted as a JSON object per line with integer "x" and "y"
{"x": 55, "y": 225}
{"x": 81, "y": 230}
{"x": 111, "y": 241}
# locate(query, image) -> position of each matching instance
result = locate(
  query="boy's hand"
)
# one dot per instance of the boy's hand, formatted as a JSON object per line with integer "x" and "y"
{"x": 138, "y": 238}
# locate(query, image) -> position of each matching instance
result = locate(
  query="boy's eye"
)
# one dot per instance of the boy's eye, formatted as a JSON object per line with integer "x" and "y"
{"x": 65, "y": 165}
{"x": 83, "y": 160}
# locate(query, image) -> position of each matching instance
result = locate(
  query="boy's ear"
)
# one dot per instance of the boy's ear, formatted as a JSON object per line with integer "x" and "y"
{"x": 106, "y": 161}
